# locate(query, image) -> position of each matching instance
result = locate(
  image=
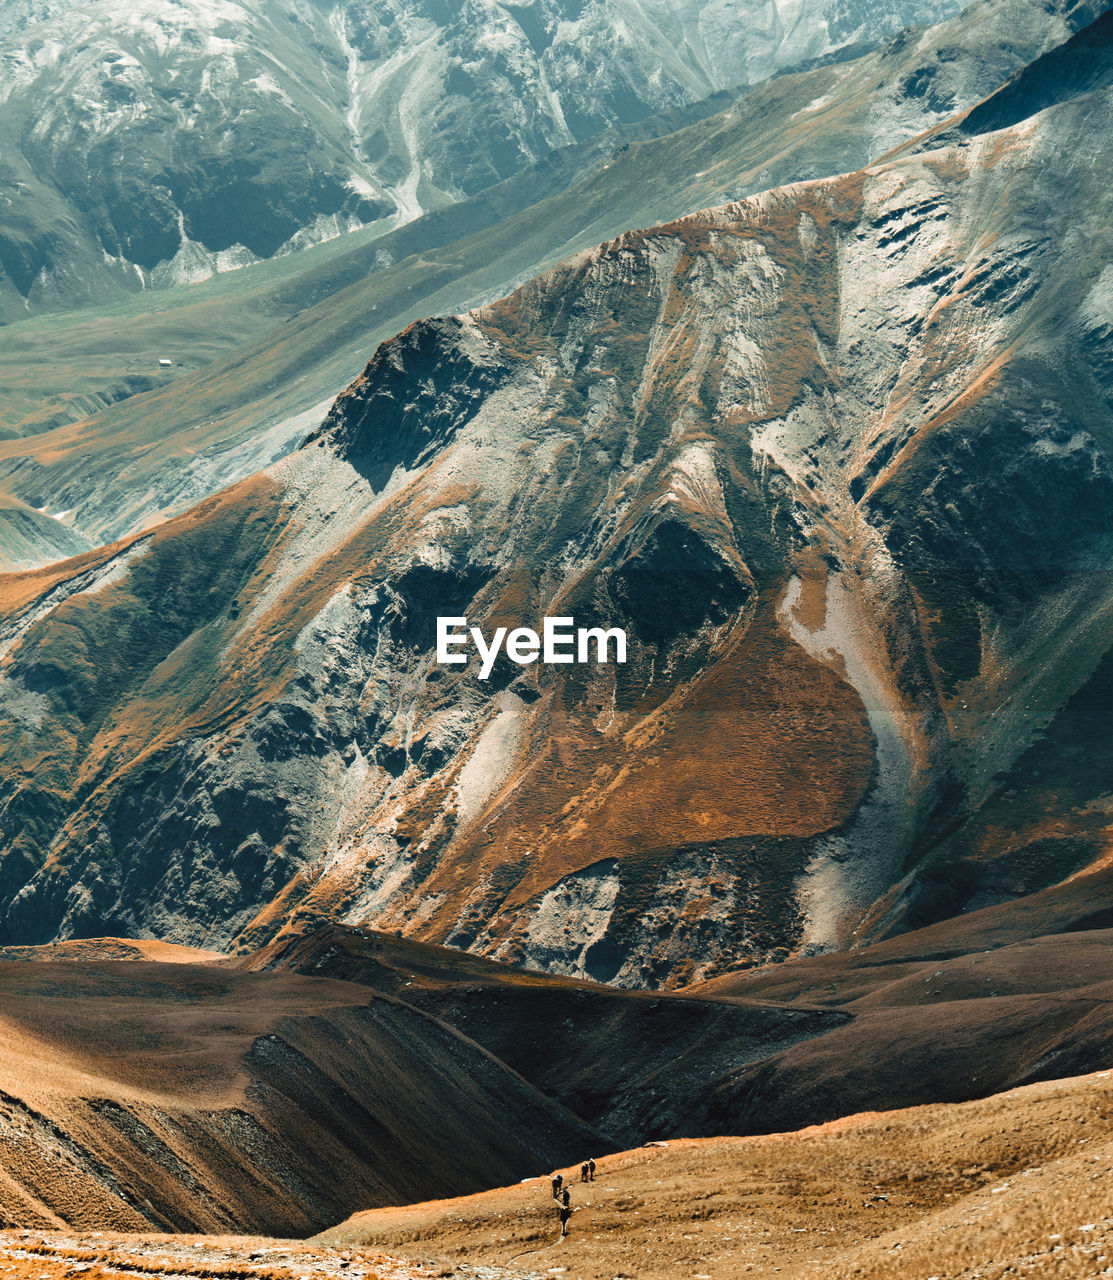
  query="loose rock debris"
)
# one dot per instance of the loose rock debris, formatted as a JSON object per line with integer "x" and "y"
{"x": 34, "y": 1255}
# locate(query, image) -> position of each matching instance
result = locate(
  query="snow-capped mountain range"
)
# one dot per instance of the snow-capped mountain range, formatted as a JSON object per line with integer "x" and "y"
{"x": 159, "y": 141}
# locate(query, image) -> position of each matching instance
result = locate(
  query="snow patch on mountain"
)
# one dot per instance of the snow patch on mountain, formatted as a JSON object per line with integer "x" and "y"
{"x": 493, "y": 757}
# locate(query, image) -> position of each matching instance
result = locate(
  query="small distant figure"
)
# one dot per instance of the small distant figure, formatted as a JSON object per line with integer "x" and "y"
{"x": 591, "y": 1168}
{"x": 558, "y": 1178}
{"x": 566, "y": 1197}
{"x": 583, "y": 1171}
{"x": 565, "y": 1214}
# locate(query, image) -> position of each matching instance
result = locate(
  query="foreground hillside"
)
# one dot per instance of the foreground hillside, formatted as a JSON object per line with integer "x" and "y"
{"x": 167, "y": 1094}
{"x": 148, "y": 1095}
{"x": 838, "y": 459}
{"x": 1016, "y": 1185}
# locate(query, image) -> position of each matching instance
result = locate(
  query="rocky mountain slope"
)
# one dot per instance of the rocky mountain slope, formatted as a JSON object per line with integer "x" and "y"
{"x": 836, "y": 456}
{"x": 103, "y": 441}
{"x": 151, "y": 143}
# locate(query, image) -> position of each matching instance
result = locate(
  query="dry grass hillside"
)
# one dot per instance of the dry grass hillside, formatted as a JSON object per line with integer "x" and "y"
{"x": 1001, "y": 997}
{"x": 1007, "y": 1187}
{"x": 1012, "y": 1186}
{"x": 139, "y": 1095}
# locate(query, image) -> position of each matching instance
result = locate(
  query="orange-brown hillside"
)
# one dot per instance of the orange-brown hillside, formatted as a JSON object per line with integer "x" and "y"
{"x": 1013, "y": 1186}
{"x": 140, "y": 1095}
{"x": 1001, "y": 997}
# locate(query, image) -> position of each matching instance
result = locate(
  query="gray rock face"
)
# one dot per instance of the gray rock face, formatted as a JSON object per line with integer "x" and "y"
{"x": 154, "y": 143}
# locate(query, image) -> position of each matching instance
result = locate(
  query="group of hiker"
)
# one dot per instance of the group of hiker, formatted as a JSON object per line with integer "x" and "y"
{"x": 563, "y": 1195}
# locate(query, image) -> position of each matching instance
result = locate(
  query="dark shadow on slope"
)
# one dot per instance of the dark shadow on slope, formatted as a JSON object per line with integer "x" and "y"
{"x": 1080, "y": 65}
{"x": 417, "y": 391}
{"x": 1004, "y": 996}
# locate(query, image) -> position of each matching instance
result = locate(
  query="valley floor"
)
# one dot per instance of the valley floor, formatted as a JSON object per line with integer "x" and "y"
{"x": 1015, "y": 1185}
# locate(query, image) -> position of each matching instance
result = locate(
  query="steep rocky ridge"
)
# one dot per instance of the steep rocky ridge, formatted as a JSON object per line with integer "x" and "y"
{"x": 838, "y": 458}
{"x": 1082, "y": 64}
{"x": 259, "y": 352}
{"x": 151, "y": 143}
